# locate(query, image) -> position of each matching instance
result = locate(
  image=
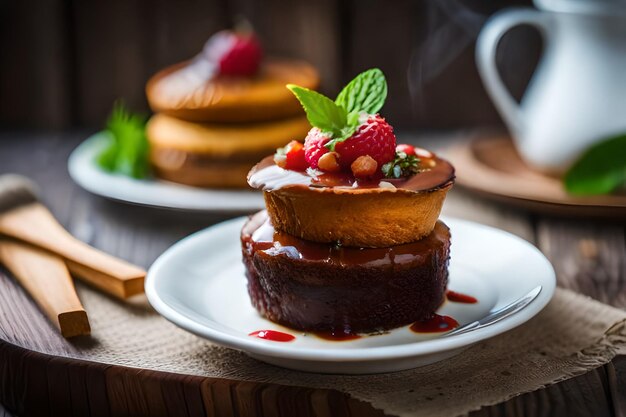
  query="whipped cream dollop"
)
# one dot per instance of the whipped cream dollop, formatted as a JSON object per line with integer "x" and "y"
{"x": 189, "y": 79}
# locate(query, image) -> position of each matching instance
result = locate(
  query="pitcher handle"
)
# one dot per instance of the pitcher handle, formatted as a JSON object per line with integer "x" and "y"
{"x": 486, "y": 46}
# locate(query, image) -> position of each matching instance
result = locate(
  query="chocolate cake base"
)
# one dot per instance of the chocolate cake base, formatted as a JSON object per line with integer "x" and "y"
{"x": 321, "y": 287}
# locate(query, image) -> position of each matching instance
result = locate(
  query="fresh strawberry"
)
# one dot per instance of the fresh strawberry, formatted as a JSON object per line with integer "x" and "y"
{"x": 374, "y": 138}
{"x": 234, "y": 53}
{"x": 243, "y": 58}
{"x": 407, "y": 149}
{"x": 349, "y": 127}
{"x": 314, "y": 146}
{"x": 291, "y": 157}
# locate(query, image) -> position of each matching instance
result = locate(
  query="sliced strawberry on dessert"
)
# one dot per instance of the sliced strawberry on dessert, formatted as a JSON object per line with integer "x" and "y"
{"x": 291, "y": 157}
{"x": 234, "y": 53}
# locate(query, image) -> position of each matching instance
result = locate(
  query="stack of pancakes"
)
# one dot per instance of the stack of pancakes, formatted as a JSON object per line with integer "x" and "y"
{"x": 210, "y": 132}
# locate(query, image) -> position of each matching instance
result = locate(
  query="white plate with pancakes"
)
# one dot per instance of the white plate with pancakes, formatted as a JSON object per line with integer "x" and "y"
{"x": 85, "y": 172}
{"x": 199, "y": 284}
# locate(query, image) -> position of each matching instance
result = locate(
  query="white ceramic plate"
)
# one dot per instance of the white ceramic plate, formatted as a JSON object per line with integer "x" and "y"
{"x": 152, "y": 192}
{"x": 199, "y": 285}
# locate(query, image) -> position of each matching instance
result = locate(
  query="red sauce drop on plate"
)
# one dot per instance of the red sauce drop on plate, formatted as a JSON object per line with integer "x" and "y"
{"x": 273, "y": 335}
{"x": 458, "y": 297}
{"x": 435, "y": 324}
{"x": 337, "y": 336}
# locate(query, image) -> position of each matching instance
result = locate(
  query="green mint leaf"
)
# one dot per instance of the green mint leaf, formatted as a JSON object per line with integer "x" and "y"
{"x": 344, "y": 135}
{"x": 353, "y": 118}
{"x": 366, "y": 92}
{"x": 600, "y": 170}
{"x": 346, "y": 132}
{"x": 127, "y": 151}
{"x": 321, "y": 111}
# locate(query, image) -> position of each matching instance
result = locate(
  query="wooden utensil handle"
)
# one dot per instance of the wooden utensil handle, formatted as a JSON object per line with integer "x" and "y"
{"x": 33, "y": 223}
{"x": 103, "y": 271}
{"x": 48, "y": 281}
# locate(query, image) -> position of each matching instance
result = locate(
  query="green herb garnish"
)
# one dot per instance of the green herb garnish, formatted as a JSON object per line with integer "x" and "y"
{"x": 321, "y": 111}
{"x": 127, "y": 151}
{"x": 600, "y": 170}
{"x": 403, "y": 165}
{"x": 340, "y": 118}
{"x": 366, "y": 92}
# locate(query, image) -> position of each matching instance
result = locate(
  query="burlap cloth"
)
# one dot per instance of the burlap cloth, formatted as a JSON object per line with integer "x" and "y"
{"x": 572, "y": 335}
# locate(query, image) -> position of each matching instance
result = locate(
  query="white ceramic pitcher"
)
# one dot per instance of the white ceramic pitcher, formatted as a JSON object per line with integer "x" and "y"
{"x": 577, "y": 95}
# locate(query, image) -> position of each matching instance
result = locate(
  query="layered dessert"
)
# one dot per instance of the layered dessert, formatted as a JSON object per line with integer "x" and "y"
{"x": 350, "y": 241}
{"x": 218, "y": 112}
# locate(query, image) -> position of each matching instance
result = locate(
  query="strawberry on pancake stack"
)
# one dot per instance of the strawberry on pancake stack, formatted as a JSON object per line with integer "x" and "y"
{"x": 222, "y": 110}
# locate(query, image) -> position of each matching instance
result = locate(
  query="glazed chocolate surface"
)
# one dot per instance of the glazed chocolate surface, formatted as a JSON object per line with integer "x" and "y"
{"x": 325, "y": 288}
{"x": 267, "y": 176}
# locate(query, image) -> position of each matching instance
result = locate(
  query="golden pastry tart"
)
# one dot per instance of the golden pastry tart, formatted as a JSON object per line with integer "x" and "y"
{"x": 334, "y": 209}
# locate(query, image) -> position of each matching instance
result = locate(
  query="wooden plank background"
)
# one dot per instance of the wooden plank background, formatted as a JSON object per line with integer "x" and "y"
{"x": 64, "y": 62}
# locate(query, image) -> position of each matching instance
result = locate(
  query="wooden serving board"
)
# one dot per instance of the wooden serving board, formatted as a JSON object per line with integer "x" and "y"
{"x": 492, "y": 167}
{"x": 41, "y": 374}
{"x": 45, "y": 376}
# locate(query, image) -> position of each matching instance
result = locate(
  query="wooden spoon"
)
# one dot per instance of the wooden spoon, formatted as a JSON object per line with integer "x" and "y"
{"x": 48, "y": 281}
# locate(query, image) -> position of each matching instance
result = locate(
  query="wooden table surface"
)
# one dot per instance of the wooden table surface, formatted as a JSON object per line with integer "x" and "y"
{"x": 589, "y": 257}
